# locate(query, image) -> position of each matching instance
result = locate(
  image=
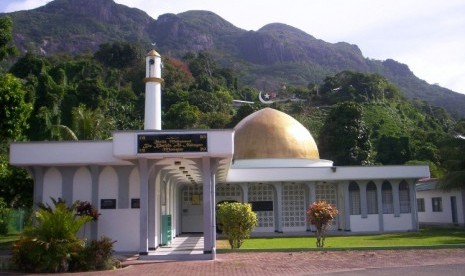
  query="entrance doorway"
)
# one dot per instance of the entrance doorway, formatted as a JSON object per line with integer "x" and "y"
{"x": 192, "y": 209}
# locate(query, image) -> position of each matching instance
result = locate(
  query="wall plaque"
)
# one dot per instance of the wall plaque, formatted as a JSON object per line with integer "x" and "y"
{"x": 107, "y": 203}
{"x": 171, "y": 143}
{"x": 135, "y": 203}
{"x": 262, "y": 206}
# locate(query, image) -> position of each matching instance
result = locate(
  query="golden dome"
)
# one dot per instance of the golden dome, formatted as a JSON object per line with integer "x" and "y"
{"x": 269, "y": 133}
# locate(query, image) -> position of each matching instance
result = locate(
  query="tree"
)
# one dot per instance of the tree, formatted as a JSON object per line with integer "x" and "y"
{"x": 7, "y": 47}
{"x": 237, "y": 221}
{"x": 118, "y": 55}
{"x": 394, "y": 150}
{"x": 15, "y": 110}
{"x": 321, "y": 214}
{"x": 182, "y": 115}
{"x": 15, "y": 184}
{"x": 344, "y": 137}
{"x": 86, "y": 124}
{"x": 454, "y": 162}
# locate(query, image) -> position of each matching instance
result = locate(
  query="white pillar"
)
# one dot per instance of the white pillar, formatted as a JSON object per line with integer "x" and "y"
{"x": 413, "y": 205}
{"x": 144, "y": 206}
{"x": 279, "y": 207}
{"x": 347, "y": 208}
{"x": 245, "y": 192}
{"x": 379, "y": 197}
{"x": 395, "y": 195}
{"x": 209, "y": 224}
{"x": 153, "y": 80}
{"x": 38, "y": 176}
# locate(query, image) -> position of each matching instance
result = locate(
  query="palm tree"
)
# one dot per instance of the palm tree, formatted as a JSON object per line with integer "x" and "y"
{"x": 86, "y": 124}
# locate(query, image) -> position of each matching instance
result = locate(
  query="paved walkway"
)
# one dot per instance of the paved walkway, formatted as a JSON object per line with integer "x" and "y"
{"x": 182, "y": 248}
{"x": 302, "y": 263}
{"x": 177, "y": 259}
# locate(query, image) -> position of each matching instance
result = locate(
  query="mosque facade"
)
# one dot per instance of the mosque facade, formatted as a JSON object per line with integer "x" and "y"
{"x": 152, "y": 185}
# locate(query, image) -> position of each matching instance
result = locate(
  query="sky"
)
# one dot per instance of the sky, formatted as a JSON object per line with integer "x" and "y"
{"x": 427, "y": 35}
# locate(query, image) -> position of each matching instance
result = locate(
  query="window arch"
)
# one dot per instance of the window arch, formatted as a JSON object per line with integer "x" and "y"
{"x": 354, "y": 198}
{"x": 386, "y": 192}
{"x": 404, "y": 197}
{"x": 372, "y": 198}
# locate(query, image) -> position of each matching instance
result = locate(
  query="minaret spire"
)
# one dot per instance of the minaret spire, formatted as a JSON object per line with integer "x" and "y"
{"x": 153, "y": 80}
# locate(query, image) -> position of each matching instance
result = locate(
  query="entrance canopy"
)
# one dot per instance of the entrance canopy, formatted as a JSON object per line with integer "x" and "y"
{"x": 180, "y": 153}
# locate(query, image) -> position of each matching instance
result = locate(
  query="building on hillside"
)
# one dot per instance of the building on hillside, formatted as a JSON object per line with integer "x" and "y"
{"x": 151, "y": 185}
{"x": 438, "y": 207}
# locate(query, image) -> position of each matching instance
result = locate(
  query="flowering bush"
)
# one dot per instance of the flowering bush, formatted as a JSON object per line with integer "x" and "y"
{"x": 85, "y": 208}
{"x": 321, "y": 214}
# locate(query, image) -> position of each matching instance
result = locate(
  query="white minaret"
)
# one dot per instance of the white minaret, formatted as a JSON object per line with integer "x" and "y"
{"x": 153, "y": 80}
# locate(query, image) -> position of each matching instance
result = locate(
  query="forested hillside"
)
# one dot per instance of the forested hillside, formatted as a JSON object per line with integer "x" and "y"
{"x": 274, "y": 55}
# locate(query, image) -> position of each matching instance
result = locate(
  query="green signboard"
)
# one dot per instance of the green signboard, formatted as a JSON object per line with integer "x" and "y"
{"x": 172, "y": 143}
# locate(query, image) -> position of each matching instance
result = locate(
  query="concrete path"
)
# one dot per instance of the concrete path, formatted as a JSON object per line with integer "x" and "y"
{"x": 182, "y": 248}
{"x": 372, "y": 262}
{"x": 182, "y": 258}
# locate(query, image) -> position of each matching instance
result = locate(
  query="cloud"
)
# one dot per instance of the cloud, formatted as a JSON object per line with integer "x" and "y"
{"x": 16, "y": 5}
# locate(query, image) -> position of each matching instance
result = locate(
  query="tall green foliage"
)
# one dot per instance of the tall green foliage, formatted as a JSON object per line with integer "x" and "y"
{"x": 454, "y": 161}
{"x": 14, "y": 110}
{"x": 6, "y": 38}
{"x": 344, "y": 137}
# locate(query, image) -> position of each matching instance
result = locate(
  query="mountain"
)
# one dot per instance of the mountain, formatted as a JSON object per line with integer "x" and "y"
{"x": 77, "y": 26}
{"x": 274, "y": 55}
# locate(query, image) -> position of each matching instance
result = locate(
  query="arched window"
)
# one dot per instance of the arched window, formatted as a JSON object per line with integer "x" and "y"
{"x": 354, "y": 198}
{"x": 386, "y": 192}
{"x": 404, "y": 197}
{"x": 372, "y": 199}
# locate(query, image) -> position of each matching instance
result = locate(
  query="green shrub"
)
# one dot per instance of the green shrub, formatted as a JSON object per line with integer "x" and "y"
{"x": 51, "y": 242}
{"x": 237, "y": 221}
{"x": 97, "y": 255}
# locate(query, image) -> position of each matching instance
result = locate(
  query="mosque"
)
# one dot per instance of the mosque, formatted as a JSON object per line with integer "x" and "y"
{"x": 152, "y": 185}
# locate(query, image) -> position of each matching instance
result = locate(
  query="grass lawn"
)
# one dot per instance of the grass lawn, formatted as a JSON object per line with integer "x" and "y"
{"x": 424, "y": 237}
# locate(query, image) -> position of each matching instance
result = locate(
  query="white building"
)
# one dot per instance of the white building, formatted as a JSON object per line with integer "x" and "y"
{"x": 152, "y": 185}
{"x": 437, "y": 207}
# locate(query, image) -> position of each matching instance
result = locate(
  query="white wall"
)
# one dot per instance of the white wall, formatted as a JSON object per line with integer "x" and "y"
{"x": 444, "y": 217}
{"x": 52, "y": 185}
{"x": 121, "y": 225}
{"x": 401, "y": 223}
{"x": 368, "y": 224}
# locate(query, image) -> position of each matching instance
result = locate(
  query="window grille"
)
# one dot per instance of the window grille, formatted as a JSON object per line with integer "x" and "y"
{"x": 404, "y": 197}
{"x": 354, "y": 198}
{"x": 437, "y": 204}
{"x": 372, "y": 199}
{"x": 262, "y": 192}
{"x": 386, "y": 192}
{"x": 294, "y": 209}
{"x": 420, "y": 204}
